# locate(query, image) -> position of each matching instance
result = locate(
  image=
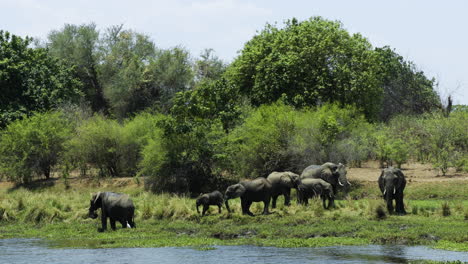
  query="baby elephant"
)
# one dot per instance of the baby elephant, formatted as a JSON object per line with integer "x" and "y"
{"x": 309, "y": 188}
{"x": 207, "y": 199}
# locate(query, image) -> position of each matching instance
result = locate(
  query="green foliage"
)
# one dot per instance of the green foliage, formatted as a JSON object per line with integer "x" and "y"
{"x": 33, "y": 146}
{"x": 310, "y": 62}
{"x": 31, "y": 80}
{"x": 77, "y": 46}
{"x": 211, "y": 99}
{"x": 183, "y": 157}
{"x": 331, "y": 133}
{"x": 209, "y": 66}
{"x": 405, "y": 89}
{"x": 262, "y": 143}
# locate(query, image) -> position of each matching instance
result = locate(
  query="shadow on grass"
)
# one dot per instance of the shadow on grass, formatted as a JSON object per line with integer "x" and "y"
{"x": 36, "y": 185}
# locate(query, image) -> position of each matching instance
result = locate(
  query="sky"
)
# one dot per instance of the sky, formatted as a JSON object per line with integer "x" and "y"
{"x": 432, "y": 34}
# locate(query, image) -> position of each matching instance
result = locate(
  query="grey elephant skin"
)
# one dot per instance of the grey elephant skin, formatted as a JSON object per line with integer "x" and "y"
{"x": 115, "y": 206}
{"x": 392, "y": 183}
{"x": 281, "y": 183}
{"x": 335, "y": 174}
{"x": 257, "y": 190}
{"x": 309, "y": 188}
{"x": 207, "y": 199}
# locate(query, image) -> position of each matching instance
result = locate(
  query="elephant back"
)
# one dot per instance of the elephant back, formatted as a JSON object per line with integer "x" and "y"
{"x": 118, "y": 199}
{"x": 316, "y": 172}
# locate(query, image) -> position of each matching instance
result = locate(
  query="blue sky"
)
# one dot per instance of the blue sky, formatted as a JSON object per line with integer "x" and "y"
{"x": 432, "y": 34}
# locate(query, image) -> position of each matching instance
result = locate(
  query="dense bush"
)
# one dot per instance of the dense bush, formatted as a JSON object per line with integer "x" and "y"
{"x": 112, "y": 148}
{"x": 183, "y": 156}
{"x": 33, "y": 146}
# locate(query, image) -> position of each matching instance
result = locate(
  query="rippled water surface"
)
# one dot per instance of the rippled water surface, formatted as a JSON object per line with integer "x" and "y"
{"x": 37, "y": 251}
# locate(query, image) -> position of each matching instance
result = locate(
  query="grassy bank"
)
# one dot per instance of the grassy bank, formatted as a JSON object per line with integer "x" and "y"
{"x": 60, "y": 216}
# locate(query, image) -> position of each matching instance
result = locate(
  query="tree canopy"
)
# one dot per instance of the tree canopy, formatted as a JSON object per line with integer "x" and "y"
{"x": 31, "y": 80}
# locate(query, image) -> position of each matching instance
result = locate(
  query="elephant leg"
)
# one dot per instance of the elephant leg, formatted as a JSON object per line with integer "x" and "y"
{"x": 266, "y": 203}
{"x": 112, "y": 223}
{"x": 205, "y": 208}
{"x": 103, "y": 222}
{"x": 273, "y": 202}
{"x": 219, "y": 207}
{"x": 331, "y": 203}
{"x": 400, "y": 207}
{"x": 123, "y": 223}
{"x": 287, "y": 198}
{"x": 324, "y": 202}
{"x": 390, "y": 205}
{"x": 246, "y": 207}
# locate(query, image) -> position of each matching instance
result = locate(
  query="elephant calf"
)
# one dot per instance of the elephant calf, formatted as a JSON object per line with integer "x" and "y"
{"x": 207, "y": 199}
{"x": 115, "y": 206}
{"x": 309, "y": 188}
{"x": 392, "y": 182}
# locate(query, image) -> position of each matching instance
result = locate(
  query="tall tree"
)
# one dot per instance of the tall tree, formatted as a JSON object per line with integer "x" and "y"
{"x": 31, "y": 80}
{"x": 405, "y": 89}
{"x": 124, "y": 70}
{"x": 209, "y": 66}
{"x": 309, "y": 63}
{"x": 78, "y": 45}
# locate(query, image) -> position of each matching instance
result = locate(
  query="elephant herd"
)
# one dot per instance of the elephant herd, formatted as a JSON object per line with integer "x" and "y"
{"x": 315, "y": 181}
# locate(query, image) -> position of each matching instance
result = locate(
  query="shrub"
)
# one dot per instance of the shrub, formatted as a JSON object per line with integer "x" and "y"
{"x": 446, "y": 209}
{"x": 262, "y": 143}
{"x": 33, "y": 146}
{"x": 183, "y": 155}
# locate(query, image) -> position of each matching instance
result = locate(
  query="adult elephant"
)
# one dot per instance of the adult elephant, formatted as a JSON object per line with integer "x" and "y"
{"x": 257, "y": 190}
{"x": 281, "y": 183}
{"x": 115, "y": 206}
{"x": 309, "y": 188}
{"x": 335, "y": 174}
{"x": 392, "y": 183}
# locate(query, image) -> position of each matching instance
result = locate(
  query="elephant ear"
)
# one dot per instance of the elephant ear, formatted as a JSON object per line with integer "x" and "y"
{"x": 381, "y": 181}
{"x": 286, "y": 180}
{"x": 401, "y": 178}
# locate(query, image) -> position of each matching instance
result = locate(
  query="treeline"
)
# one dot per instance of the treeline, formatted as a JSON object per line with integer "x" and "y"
{"x": 193, "y": 156}
{"x": 113, "y": 104}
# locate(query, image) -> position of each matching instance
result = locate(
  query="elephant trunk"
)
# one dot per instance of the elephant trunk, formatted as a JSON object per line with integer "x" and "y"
{"x": 227, "y": 204}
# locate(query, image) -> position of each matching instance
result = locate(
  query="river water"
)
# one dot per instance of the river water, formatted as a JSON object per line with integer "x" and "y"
{"x": 37, "y": 251}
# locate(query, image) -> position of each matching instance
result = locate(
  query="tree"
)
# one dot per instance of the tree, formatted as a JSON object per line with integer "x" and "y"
{"x": 78, "y": 46}
{"x": 209, "y": 66}
{"x": 309, "y": 63}
{"x": 406, "y": 90}
{"x": 33, "y": 146}
{"x": 31, "y": 80}
{"x": 124, "y": 73}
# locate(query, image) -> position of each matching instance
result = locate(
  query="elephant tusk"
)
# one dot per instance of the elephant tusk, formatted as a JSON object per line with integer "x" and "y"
{"x": 128, "y": 225}
{"x": 340, "y": 183}
{"x": 384, "y": 191}
{"x": 394, "y": 190}
{"x": 348, "y": 183}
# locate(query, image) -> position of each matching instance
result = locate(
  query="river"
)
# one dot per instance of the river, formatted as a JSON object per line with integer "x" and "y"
{"x": 38, "y": 251}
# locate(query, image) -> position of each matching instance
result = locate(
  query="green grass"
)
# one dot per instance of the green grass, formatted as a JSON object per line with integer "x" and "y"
{"x": 60, "y": 216}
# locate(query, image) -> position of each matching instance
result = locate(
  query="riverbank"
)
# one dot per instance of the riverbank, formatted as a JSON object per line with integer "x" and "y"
{"x": 437, "y": 217}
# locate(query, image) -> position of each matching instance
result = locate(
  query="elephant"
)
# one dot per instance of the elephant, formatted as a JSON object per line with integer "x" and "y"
{"x": 335, "y": 174}
{"x": 115, "y": 206}
{"x": 392, "y": 182}
{"x": 309, "y": 188}
{"x": 281, "y": 183}
{"x": 207, "y": 199}
{"x": 257, "y": 190}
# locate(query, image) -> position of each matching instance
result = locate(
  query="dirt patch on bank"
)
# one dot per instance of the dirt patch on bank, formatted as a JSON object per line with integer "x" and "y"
{"x": 416, "y": 172}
